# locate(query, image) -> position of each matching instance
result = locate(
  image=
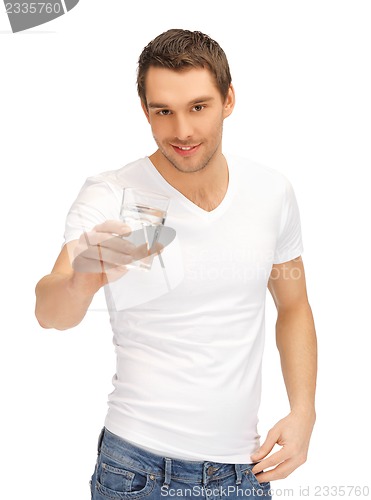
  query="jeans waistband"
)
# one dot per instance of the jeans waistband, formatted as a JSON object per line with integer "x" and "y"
{"x": 165, "y": 467}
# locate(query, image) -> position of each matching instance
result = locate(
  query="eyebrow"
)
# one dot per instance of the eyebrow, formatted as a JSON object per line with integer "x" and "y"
{"x": 198, "y": 100}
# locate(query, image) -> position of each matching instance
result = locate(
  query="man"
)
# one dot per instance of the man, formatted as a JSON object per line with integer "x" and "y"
{"x": 187, "y": 389}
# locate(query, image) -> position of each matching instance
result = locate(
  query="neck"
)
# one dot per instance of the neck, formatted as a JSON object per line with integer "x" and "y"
{"x": 205, "y": 183}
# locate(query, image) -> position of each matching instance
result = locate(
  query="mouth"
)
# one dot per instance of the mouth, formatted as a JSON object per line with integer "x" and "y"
{"x": 185, "y": 150}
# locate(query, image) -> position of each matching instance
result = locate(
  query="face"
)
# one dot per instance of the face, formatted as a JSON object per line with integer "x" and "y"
{"x": 186, "y": 111}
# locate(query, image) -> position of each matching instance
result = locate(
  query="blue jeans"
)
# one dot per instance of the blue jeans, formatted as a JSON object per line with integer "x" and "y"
{"x": 125, "y": 471}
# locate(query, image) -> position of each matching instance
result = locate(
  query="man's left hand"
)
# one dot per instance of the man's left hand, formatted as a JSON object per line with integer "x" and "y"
{"x": 293, "y": 434}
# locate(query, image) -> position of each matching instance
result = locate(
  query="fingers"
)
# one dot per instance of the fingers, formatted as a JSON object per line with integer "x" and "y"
{"x": 278, "y": 465}
{"x": 282, "y": 470}
{"x": 115, "y": 273}
{"x": 292, "y": 435}
{"x": 267, "y": 446}
{"x": 101, "y": 249}
{"x": 106, "y": 247}
{"x": 105, "y": 239}
{"x": 96, "y": 259}
{"x": 113, "y": 227}
{"x": 271, "y": 461}
{"x": 114, "y": 244}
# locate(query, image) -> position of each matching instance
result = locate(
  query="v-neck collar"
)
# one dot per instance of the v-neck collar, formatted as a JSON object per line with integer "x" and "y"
{"x": 200, "y": 212}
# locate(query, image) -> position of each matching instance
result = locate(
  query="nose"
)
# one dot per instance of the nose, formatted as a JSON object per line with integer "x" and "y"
{"x": 183, "y": 127}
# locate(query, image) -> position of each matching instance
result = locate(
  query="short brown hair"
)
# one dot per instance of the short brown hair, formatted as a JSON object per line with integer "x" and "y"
{"x": 180, "y": 49}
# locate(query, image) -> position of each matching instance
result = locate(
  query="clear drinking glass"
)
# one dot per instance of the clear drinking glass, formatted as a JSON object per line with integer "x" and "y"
{"x": 145, "y": 213}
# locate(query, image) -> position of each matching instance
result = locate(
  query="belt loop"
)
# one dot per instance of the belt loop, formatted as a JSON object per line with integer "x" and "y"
{"x": 238, "y": 473}
{"x": 167, "y": 472}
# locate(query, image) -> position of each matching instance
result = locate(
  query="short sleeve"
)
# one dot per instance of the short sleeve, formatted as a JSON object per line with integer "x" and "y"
{"x": 289, "y": 242}
{"x": 96, "y": 202}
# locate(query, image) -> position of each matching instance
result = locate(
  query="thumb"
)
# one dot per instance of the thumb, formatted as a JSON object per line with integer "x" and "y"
{"x": 266, "y": 447}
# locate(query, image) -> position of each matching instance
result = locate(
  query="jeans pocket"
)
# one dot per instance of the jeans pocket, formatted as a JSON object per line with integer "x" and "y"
{"x": 115, "y": 480}
{"x": 260, "y": 489}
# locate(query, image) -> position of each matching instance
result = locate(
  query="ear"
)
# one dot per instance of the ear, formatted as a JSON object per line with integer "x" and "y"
{"x": 229, "y": 102}
{"x": 145, "y": 109}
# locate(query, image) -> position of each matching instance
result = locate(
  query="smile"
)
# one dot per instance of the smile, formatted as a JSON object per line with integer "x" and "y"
{"x": 185, "y": 150}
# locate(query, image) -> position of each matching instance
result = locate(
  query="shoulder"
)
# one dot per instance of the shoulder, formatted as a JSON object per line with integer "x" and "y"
{"x": 118, "y": 176}
{"x": 258, "y": 176}
{"x": 113, "y": 181}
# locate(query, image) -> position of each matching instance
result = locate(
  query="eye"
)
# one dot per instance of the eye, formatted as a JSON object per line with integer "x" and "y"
{"x": 198, "y": 107}
{"x": 164, "y": 112}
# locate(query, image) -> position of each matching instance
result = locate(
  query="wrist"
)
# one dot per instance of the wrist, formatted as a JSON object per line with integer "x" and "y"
{"x": 85, "y": 285}
{"x": 307, "y": 411}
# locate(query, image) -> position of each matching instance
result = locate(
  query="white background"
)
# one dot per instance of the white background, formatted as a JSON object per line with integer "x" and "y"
{"x": 69, "y": 109}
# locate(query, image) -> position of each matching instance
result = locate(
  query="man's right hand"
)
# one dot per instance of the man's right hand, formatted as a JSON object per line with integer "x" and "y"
{"x": 101, "y": 255}
{"x": 83, "y": 266}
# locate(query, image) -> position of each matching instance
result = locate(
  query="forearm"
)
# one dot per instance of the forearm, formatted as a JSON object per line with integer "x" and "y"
{"x": 297, "y": 345}
{"x": 60, "y": 303}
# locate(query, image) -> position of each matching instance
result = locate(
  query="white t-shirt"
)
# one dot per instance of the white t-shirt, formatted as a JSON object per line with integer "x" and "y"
{"x": 189, "y": 337}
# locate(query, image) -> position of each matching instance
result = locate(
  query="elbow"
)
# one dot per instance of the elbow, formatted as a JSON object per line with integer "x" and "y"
{"x": 60, "y": 328}
{"x": 43, "y": 325}
{"x": 295, "y": 309}
{"x": 42, "y": 321}
{"x": 52, "y": 324}
{"x": 39, "y": 318}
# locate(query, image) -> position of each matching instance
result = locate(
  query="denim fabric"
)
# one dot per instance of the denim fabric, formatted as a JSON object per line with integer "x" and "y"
{"x": 126, "y": 471}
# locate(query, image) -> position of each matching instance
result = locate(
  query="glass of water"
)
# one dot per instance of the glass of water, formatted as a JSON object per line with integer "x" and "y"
{"x": 145, "y": 213}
